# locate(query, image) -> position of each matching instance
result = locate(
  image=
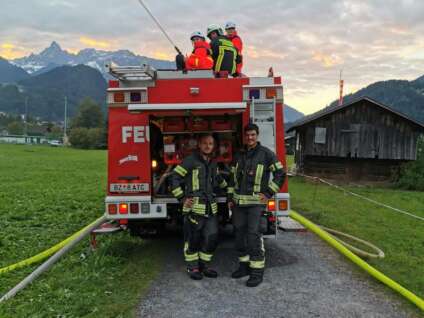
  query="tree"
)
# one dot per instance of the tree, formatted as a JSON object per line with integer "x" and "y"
{"x": 15, "y": 128}
{"x": 89, "y": 115}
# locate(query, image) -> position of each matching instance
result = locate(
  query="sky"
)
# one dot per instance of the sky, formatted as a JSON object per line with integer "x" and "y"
{"x": 307, "y": 42}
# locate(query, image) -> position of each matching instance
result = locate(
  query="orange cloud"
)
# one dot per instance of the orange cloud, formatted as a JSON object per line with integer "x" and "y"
{"x": 325, "y": 59}
{"x": 162, "y": 55}
{"x": 10, "y": 51}
{"x": 94, "y": 43}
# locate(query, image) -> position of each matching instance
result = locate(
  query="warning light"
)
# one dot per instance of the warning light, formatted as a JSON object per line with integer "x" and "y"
{"x": 271, "y": 205}
{"x": 154, "y": 164}
{"x": 271, "y": 93}
{"x": 119, "y": 97}
{"x": 123, "y": 208}
{"x": 135, "y": 97}
{"x": 283, "y": 205}
{"x": 112, "y": 209}
{"x": 133, "y": 208}
{"x": 254, "y": 94}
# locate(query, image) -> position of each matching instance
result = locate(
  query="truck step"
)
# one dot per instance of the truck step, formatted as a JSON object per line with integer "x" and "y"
{"x": 288, "y": 224}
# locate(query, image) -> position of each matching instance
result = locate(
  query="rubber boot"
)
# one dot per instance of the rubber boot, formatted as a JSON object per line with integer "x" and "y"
{"x": 194, "y": 273}
{"x": 256, "y": 277}
{"x": 242, "y": 271}
{"x": 206, "y": 271}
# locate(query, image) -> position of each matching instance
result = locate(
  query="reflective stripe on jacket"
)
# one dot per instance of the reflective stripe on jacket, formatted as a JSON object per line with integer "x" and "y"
{"x": 198, "y": 179}
{"x": 224, "y": 55}
{"x": 250, "y": 175}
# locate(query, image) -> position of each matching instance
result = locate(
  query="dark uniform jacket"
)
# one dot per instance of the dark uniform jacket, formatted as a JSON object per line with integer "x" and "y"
{"x": 224, "y": 55}
{"x": 198, "y": 179}
{"x": 250, "y": 175}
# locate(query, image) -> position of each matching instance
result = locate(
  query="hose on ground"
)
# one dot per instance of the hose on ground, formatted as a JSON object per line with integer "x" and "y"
{"x": 419, "y": 302}
{"x": 47, "y": 264}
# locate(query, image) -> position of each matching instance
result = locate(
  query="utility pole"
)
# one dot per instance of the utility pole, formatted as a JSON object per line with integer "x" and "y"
{"x": 26, "y": 119}
{"x": 65, "y": 137}
{"x": 341, "y": 82}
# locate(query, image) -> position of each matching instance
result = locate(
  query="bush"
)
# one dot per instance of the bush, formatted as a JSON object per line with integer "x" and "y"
{"x": 412, "y": 173}
{"x": 88, "y": 138}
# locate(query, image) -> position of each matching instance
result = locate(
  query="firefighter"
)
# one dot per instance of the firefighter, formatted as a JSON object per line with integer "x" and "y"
{"x": 248, "y": 192}
{"x": 224, "y": 53}
{"x": 200, "y": 58}
{"x": 231, "y": 33}
{"x": 199, "y": 176}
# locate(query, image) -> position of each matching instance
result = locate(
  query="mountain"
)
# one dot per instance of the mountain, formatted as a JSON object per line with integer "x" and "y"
{"x": 46, "y": 92}
{"x": 404, "y": 96}
{"x": 10, "y": 73}
{"x": 54, "y": 55}
{"x": 291, "y": 114}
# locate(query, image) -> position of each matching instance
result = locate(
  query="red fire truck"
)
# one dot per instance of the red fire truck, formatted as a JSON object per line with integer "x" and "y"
{"x": 155, "y": 118}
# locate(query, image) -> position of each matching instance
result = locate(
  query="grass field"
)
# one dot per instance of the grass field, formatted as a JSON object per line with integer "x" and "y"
{"x": 401, "y": 237}
{"x": 46, "y": 194}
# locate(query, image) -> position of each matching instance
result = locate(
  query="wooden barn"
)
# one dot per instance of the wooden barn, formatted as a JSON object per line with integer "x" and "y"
{"x": 359, "y": 140}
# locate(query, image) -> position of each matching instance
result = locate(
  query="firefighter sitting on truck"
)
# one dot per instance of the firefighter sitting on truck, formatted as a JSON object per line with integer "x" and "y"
{"x": 200, "y": 58}
{"x": 223, "y": 51}
{"x": 200, "y": 177}
{"x": 249, "y": 189}
{"x": 230, "y": 29}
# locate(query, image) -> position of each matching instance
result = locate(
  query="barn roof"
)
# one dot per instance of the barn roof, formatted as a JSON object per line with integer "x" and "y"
{"x": 329, "y": 110}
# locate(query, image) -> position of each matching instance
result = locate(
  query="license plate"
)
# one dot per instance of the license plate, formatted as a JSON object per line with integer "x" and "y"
{"x": 129, "y": 187}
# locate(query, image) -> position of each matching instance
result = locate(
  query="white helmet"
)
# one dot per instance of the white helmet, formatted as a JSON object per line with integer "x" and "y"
{"x": 197, "y": 34}
{"x": 230, "y": 25}
{"x": 216, "y": 28}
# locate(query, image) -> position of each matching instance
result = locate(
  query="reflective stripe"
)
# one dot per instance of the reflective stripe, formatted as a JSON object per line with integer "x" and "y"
{"x": 245, "y": 258}
{"x": 214, "y": 207}
{"x": 247, "y": 199}
{"x": 186, "y": 209}
{"x": 226, "y": 43}
{"x": 223, "y": 184}
{"x": 195, "y": 179}
{"x": 272, "y": 168}
{"x": 193, "y": 220}
{"x": 189, "y": 257}
{"x": 180, "y": 170}
{"x": 177, "y": 192}
{"x": 258, "y": 178}
{"x": 257, "y": 264}
{"x": 205, "y": 257}
{"x": 278, "y": 165}
{"x": 230, "y": 190}
{"x": 219, "y": 59}
{"x": 274, "y": 187}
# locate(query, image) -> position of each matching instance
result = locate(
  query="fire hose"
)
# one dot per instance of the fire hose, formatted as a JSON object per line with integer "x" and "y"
{"x": 323, "y": 234}
{"x": 62, "y": 248}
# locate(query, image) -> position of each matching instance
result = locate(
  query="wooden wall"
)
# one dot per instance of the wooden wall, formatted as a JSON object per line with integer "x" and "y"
{"x": 364, "y": 130}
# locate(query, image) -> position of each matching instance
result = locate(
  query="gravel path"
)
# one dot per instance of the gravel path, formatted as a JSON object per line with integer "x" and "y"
{"x": 304, "y": 278}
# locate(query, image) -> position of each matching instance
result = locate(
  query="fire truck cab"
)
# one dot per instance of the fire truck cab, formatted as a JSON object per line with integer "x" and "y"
{"x": 155, "y": 118}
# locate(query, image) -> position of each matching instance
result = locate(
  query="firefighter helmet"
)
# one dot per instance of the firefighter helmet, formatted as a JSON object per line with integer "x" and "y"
{"x": 197, "y": 34}
{"x": 230, "y": 25}
{"x": 214, "y": 28}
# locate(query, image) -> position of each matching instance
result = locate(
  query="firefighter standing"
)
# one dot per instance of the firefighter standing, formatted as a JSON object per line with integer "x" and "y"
{"x": 200, "y": 58}
{"x": 200, "y": 178}
{"x": 230, "y": 29}
{"x": 248, "y": 192}
{"x": 224, "y": 53}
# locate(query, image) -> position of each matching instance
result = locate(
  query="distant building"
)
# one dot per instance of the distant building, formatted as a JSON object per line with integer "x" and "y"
{"x": 19, "y": 139}
{"x": 360, "y": 140}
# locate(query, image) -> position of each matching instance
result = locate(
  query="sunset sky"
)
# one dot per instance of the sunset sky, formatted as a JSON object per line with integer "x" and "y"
{"x": 307, "y": 42}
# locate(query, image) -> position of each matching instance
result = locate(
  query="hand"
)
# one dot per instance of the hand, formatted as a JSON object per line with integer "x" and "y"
{"x": 230, "y": 204}
{"x": 188, "y": 202}
{"x": 263, "y": 198}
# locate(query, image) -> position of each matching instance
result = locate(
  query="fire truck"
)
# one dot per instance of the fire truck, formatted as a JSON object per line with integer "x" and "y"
{"x": 155, "y": 118}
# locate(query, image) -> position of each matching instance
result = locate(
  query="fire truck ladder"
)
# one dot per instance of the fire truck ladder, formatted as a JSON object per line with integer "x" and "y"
{"x": 143, "y": 72}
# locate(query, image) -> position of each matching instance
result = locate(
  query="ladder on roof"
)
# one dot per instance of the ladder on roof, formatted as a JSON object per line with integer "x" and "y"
{"x": 142, "y": 72}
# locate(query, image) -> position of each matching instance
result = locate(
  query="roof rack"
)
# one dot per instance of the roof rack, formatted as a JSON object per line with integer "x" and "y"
{"x": 142, "y": 72}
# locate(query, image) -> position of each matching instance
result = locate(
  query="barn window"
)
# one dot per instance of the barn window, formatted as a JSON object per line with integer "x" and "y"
{"x": 320, "y": 134}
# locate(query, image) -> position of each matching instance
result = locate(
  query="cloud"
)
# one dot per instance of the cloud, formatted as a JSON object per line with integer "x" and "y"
{"x": 307, "y": 41}
{"x": 94, "y": 43}
{"x": 11, "y": 51}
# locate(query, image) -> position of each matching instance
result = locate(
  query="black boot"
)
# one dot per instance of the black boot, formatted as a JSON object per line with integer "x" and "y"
{"x": 242, "y": 271}
{"x": 256, "y": 277}
{"x": 206, "y": 271}
{"x": 194, "y": 273}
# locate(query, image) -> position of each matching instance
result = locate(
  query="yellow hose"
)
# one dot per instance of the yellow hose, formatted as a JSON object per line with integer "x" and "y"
{"x": 419, "y": 302}
{"x": 43, "y": 255}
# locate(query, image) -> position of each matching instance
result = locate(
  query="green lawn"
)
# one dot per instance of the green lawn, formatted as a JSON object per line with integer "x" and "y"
{"x": 400, "y": 237}
{"x": 46, "y": 194}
